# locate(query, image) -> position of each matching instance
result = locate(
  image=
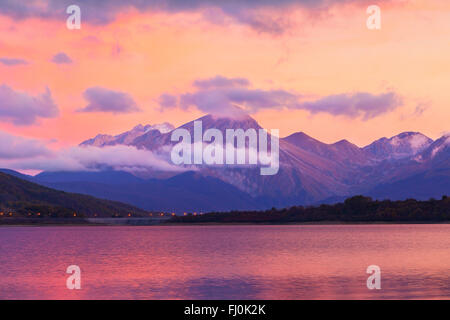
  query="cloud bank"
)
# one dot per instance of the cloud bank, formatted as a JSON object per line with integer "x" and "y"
{"x": 24, "y": 109}
{"x": 267, "y": 16}
{"x": 233, "y": 96}
{"x": 27, "y": 154}
{"x": 362, "y": 104}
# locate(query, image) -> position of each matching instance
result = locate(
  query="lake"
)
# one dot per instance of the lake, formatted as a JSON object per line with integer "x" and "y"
{"x": 226, "y": 262}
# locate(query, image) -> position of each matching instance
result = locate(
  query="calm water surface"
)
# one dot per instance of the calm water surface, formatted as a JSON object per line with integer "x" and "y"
{"x": 226, "y": 262}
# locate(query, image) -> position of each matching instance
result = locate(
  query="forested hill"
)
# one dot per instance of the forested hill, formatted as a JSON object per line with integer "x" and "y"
{"x": 24, "y": 198}
{"x": 355, "y": 209}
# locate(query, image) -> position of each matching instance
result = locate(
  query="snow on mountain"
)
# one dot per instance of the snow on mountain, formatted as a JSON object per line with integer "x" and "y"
{"x": 440, "y": 146}
{"x": 426, "y": 176}
{"x": 154, "y": 142}
{"x": 128, "y": 137}
{"x": 162, "y": 127}
{"x": 438, "y": 150}
{"x": 404, "y": 145}
{"x": 98, "y": 141}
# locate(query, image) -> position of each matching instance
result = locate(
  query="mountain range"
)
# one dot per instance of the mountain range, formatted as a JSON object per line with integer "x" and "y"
{"x": 408, "y": 165}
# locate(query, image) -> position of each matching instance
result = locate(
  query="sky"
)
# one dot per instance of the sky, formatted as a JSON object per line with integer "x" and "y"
{"x": 293, "y": 65}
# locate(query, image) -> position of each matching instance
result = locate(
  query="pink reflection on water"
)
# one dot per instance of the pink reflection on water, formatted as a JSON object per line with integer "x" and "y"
{"x": 226, "y": 262}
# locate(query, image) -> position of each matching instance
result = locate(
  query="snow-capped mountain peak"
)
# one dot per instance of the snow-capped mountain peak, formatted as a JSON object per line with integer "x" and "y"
{"x": 127, "y": 138}
{"x": 162, "y": 127}
{"x": 404, "y": 145}
{"x": 438, "y": 149}
{"x": 98, "y": 141}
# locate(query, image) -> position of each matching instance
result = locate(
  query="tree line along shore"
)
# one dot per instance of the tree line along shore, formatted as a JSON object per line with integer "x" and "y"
{"x": 358, "y": 209}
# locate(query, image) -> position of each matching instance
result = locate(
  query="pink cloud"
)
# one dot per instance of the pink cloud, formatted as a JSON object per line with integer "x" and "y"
{"x": 24, "y": 109}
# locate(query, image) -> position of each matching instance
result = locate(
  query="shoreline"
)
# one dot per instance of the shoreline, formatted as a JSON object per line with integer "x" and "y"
{"x": 179, "y": 224}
